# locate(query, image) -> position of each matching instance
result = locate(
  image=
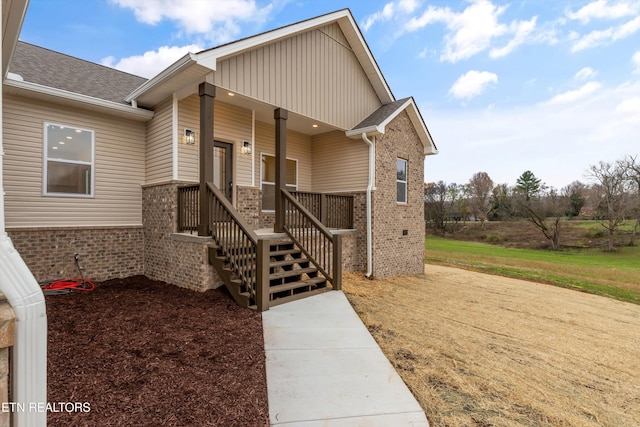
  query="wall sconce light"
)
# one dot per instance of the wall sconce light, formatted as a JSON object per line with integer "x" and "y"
{"x": 246, "y": 147}
{"x": 189, "y": 137}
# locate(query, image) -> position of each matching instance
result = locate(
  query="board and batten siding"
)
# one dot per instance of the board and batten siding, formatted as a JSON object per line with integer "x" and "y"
{"x": 298, "y": 148}
{"x": 339, "y": 163}
{"x": 119, "y": 168}
{"x": 159, "y": 148}
{"x": 315, "y": 74}
{"x": 230, "y": 123}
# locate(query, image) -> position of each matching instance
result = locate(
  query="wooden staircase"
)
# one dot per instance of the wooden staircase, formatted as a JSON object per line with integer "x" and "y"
{"x": 291, "y": 274}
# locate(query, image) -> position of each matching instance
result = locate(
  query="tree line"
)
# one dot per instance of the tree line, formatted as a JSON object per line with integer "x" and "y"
{"x": 611, "y": 195}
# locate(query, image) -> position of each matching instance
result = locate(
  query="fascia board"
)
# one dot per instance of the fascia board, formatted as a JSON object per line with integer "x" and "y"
{"x": 16, "y": 11}
{"x": 370, "y": 131}
{"x": 163, "y": 76}
{"x": 133, "y": 112}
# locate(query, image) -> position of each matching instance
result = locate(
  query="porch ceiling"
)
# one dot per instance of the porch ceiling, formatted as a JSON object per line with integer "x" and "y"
{"x": 264, "y": 113}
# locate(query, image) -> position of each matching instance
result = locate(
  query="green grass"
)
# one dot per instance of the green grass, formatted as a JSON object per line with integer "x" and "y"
{"x": 615, "y": 275}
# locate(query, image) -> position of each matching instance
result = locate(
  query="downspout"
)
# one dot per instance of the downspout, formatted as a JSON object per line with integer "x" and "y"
{"x": 372, "y": 169}
{"x": 29, "y": 357}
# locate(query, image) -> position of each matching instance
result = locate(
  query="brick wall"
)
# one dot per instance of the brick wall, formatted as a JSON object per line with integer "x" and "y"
{"x": 395, "y": 253}
{"x": 105, "y": 252}
{"x": 181, "y": 260}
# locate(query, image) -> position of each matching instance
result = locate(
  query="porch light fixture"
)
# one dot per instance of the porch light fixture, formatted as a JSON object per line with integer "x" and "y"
{"x": 246, "y": 147}
{"x": 189, "y": 137}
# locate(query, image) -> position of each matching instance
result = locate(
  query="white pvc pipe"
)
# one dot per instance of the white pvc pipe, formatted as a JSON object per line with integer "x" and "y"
{"x": 372, "y": 168}
{"x": 29, "y": 357}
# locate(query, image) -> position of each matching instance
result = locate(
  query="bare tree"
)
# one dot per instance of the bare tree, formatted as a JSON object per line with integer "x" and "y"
{"x": 545, "y": 211}
{"x": 611, "y": 184}
{"x": 435, "y": 195}
{"x": 633, "y": 174}
{"x": 480, "y": 191}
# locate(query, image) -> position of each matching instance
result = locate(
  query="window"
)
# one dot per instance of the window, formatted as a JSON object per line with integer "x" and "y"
{"x": 268, "y": 180}
{"x": 401, "y": 180}
{"x": 68, "y": 161}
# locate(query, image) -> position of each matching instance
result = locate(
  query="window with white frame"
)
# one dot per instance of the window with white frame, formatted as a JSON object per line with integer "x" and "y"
{"x": 401, "y": 180}
{"x": 68, "y": 161}
{"x": 268, "y": 180}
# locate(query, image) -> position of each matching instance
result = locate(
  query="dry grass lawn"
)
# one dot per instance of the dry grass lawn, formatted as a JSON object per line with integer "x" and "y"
{"x": 482, "y": 350}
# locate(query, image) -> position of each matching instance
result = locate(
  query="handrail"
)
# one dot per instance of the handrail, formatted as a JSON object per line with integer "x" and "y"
{"x": 239, "y": 244}
{"x": 321, "y": 247}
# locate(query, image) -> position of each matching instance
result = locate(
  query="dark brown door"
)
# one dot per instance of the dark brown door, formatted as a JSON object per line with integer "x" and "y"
{"x": 223, "y": 167}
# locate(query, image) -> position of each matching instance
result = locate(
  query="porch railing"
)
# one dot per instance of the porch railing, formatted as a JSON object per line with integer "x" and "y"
{"x": 333, "y": 210}
{"x": 321, "y": 247}
{"x": 240, "y": 244}
{"x": 188, "y": 208}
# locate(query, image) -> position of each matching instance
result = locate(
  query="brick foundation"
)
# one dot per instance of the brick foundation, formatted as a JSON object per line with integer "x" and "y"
{"x": 105, "y": 252}
{"x": 178, "y": 259}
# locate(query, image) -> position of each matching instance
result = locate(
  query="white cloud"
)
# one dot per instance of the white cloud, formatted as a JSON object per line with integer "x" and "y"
{"x": 603, "y": 9}
{"x": 522, "y": 30}
{"x": 152, "y": 62}
{"x": 576, "y": 94}
{"x": 389, "y": 11}
{"x": 217, "y": 20}
{"x": 585, "y": 73}
{"x": 476, "y": 29}
{"x": 472, "y": 83}
{"x": 557, "y": 142}
{"x": 635, "y": 59}
{"x": 608, "y": 36}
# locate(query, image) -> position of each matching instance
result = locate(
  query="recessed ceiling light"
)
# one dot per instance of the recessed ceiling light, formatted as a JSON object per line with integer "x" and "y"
{"x": 78, "y": 131}
{"x": 69, "y": 137}
{"x": 61, "y": 142}
{"x": 232, "y": 94}
{"x": 315, "y": 126}
{"x": 54, "y": 147}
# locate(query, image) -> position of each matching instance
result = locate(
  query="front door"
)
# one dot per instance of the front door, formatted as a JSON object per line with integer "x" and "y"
{"x": 223, "y": 167}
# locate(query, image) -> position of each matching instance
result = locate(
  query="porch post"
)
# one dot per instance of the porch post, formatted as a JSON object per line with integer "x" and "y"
{"x": 207, "y": 93}
{"x": 280, "y": 115}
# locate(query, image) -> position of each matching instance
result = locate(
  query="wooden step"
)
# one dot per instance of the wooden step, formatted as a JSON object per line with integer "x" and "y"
{"x": 286, "y": 262}
{"x": 314, "y": 281}
{"x": 285, "y": 252}
{"x": 292, "y": 273}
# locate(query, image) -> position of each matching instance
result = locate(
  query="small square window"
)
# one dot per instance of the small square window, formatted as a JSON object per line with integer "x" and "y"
{"x": 68, "y": 161}
{"x": 401, "y": 180}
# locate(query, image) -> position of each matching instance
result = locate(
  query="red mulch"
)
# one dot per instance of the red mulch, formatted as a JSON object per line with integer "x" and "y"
{"x": 145, "y": 353}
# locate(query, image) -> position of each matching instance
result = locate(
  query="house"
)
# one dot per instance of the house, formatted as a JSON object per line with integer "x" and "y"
{"x": 282, "y": 158}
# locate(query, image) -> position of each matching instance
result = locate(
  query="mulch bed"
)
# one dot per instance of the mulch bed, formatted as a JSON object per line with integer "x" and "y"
{"x": 145, "y": 353}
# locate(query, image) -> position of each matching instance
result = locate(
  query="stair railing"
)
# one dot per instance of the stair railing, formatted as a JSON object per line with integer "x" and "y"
{"x": 321, "y": 247}
{"x": 240, "y": 244}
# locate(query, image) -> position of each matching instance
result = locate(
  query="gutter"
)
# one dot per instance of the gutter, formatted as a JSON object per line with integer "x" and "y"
{"x": 372, "y": 168}
{"x": 29, "y": 355}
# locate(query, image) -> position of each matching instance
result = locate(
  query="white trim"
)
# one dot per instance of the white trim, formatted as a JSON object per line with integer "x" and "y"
{"x": 15, "y": 12}
{"x": 174, "y": 135}
{"x": 132, "y": 112}
{"x": 46, "y": 159}
{"x": 405, "y": 182}
{"x": 253, "y": 148}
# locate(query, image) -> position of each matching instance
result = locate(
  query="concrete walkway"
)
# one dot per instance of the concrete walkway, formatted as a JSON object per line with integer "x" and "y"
{"x": 325, "y": 369}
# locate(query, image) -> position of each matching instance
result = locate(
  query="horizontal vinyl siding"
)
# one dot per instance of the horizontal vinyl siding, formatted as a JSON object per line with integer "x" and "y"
{"x": 298, "y": 148}
{"x": 231, "y": 124}
{"x": 315, "y": 74}
{"x": 339, "y": 163}
{"x": 119, "y": 168}
{"x": 160, "y": 145}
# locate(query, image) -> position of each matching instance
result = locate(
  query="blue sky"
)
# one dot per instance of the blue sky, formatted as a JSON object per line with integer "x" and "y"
{"x": 542, "y": 85}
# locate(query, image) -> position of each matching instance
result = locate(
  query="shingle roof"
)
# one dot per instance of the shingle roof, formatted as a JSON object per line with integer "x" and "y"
{"x": 53, "y": 69}
{"x": 381, "y": 114}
